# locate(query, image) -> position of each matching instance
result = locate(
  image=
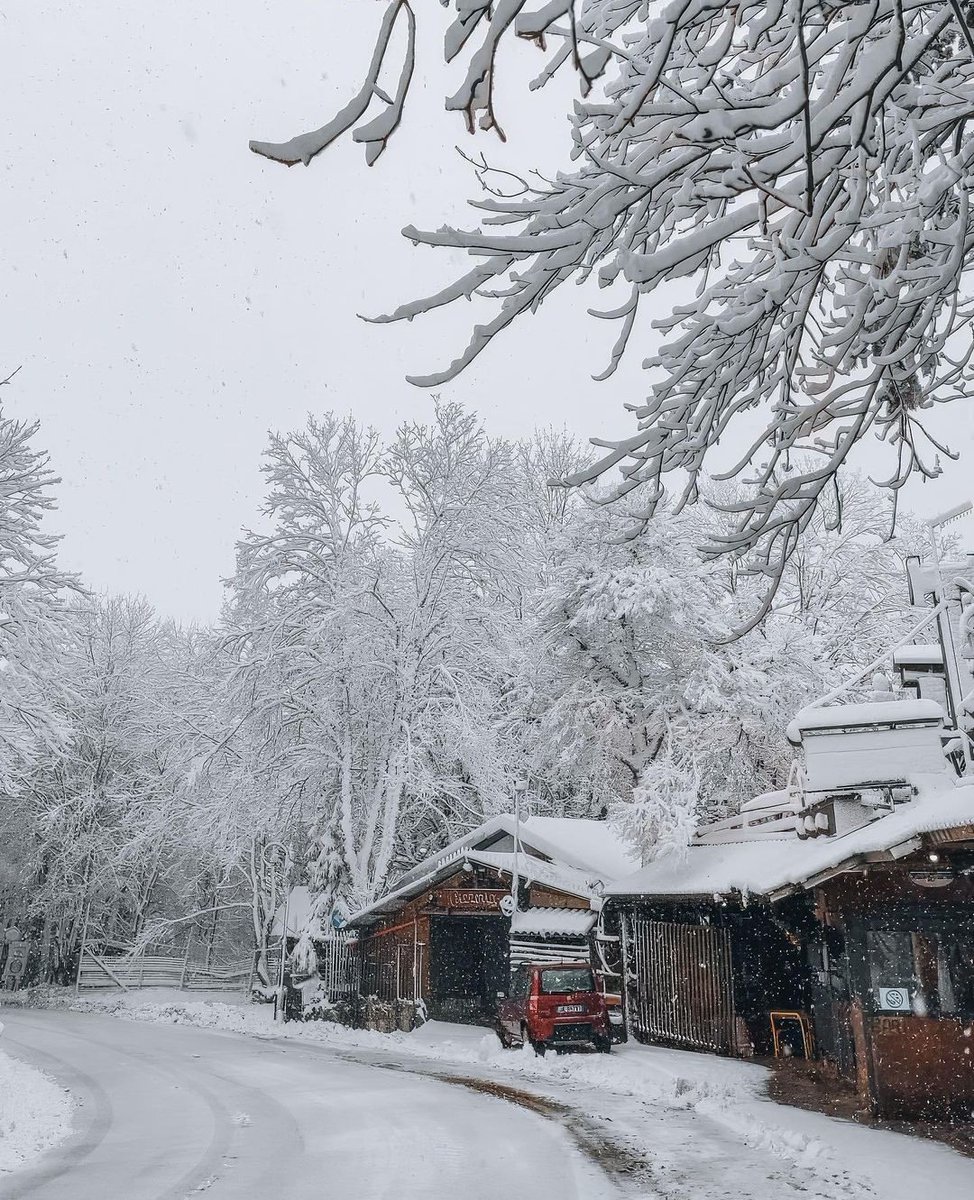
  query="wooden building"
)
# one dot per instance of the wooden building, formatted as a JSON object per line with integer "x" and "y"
{"x": 439, "y": 944}
{"x": 834, "y": 918}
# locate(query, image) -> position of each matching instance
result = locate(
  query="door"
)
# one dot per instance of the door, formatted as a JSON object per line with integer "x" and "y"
{"x": 512, "y": 1009}
{"x": 468, "y": 967}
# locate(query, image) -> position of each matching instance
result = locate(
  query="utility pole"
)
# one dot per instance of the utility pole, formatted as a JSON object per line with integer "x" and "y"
{"x": 520, "y": 787}
{"x": 948, "y": 643}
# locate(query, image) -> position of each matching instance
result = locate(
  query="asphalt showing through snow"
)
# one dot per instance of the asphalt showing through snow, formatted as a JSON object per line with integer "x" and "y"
{"x": 172, "y": 1112}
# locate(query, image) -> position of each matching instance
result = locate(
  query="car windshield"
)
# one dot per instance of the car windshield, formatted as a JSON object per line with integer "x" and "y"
{"x": 567, "y": 979}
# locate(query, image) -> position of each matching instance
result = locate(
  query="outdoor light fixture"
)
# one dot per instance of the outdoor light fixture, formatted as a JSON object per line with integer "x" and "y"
{"x": 933, "y": 857}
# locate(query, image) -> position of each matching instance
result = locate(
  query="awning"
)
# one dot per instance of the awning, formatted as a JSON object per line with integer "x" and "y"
{"x": 553, "y": 922}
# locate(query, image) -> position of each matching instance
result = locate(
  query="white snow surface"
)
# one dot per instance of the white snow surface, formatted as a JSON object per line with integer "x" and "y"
{"x": 35, "y": 1113}
{"x": 592, "y": 847}
{"x": 704, "y": 1123}
{"x": 586, "y": 844}
{"x": 925, "y": 654}
{"x": 553, "y": 920}
{"x": 840, "y": 716}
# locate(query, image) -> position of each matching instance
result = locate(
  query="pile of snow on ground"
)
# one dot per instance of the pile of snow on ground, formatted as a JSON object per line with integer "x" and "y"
{"x": 35, "y": 1114}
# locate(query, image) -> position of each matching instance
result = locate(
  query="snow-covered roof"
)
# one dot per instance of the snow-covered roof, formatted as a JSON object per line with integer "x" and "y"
{"x": 563, "y": 879}
{"x": 777, "y": 865}
{"x": 554, "y": 922}
{"x": 863, "y": 716}
{"x": 586, "y": 844}
{"x": 590, "y": 846}
{"x": 929, "y": 654}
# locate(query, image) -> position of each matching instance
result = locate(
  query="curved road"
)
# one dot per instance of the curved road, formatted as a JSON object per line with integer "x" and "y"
{"x": 172, "y": 1112}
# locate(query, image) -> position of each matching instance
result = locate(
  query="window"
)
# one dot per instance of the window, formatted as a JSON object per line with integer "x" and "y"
{"x": 922, "y": 973}
{"x": 890, "y": 959}
{"x": 955, "y": 973}
{"x": 567, "y": 979}
{"x": 519, "y": 984}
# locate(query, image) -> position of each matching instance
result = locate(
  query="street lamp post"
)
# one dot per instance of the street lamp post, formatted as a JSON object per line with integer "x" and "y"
{"x": 951, "y": 666}
{"x": 520, "y": 787}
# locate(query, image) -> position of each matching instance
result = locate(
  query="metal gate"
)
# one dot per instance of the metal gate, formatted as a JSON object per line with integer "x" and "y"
{"x": 337, "y": 966}
{"x": 683, "y": 990}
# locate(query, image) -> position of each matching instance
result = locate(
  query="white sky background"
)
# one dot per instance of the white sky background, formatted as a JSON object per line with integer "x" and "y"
{"x": 172, "y": 297}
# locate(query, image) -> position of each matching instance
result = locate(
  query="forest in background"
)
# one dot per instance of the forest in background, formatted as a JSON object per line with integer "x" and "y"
{"x": 415, "y": 625}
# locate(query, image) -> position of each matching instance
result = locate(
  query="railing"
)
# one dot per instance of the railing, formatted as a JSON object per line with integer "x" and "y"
{"x": 754, "y": 825}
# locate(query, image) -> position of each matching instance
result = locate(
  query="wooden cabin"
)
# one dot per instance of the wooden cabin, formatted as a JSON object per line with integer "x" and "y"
{"x": 440, "y": 944}
{"x": 833, "y": 919}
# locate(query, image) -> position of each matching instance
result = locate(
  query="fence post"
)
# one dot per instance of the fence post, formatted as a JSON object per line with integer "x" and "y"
{"x": 84, "y": 942}
{"x": 189, "y": 942}
{"x": 625, "y": 989}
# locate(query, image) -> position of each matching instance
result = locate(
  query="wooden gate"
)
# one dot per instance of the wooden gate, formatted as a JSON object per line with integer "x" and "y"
{"x": 683, "y": 991}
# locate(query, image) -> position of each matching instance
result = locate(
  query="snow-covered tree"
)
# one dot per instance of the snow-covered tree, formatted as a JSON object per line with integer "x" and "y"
{"x": 367, "y": 650}
{"x": 35, "y": 688}
{"x": 107, "y": 840}
{"x": 639, "y": 699}
{"x": 32, "y": 590}
{"x": 805, "y": 166}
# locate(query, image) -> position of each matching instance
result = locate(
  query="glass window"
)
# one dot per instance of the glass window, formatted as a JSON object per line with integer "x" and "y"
{"x": 519, "y": 984}
{"x": 922, "y": 973}
{"x": 893, "y": 971}
{"x": 567, "y": 979}
{"x": 955, "y": 975}
{"x": 890, "y": 958}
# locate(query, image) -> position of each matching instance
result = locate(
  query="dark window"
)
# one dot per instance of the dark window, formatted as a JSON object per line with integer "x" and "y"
{"x": 955, "y": 973}
{"x": 890, "y": 959}
{"x": 933, "y": 972}
{"x": 559, "y": 981}
{"x": 893, "y": 973}
{"x": 520, "y": 984}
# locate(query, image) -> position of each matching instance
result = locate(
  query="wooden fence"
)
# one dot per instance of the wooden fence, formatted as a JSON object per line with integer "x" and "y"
{"x": 337, "y": 965}
{"x": 159, "y": 970}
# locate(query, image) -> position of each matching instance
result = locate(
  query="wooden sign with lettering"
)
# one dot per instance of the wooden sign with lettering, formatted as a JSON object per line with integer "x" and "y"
{"x": 471, "y": 899}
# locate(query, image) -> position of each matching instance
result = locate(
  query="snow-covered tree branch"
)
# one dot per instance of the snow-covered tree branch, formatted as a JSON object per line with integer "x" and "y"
{"x": 805, "y": 168}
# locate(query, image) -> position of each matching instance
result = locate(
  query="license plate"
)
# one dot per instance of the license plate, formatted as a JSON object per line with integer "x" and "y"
{"x": 570, "y": 1008}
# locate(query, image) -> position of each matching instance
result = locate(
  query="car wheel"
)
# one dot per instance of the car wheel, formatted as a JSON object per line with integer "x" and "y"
{"x": 602, "y": 1044}
{"x": 538, "y": 1047}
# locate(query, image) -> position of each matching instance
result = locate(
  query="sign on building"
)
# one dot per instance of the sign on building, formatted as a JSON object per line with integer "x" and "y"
{"x": 894, "y": 999}
{"x": 470, "y": 899}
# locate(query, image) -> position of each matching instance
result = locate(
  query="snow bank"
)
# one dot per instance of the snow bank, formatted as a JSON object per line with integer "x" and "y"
{"x": 35, "y": 1113}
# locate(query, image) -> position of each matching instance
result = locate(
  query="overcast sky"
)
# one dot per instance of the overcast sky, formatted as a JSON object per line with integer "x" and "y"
{"x": 171, "y": 297}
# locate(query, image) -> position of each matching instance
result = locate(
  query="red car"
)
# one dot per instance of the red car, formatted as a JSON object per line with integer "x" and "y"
{"x": 553, "y": 1004}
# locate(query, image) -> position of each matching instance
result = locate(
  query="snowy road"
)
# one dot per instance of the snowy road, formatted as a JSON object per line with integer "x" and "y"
{"x": 168, "y": 1112}
{"x": 177, "y": 1111}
